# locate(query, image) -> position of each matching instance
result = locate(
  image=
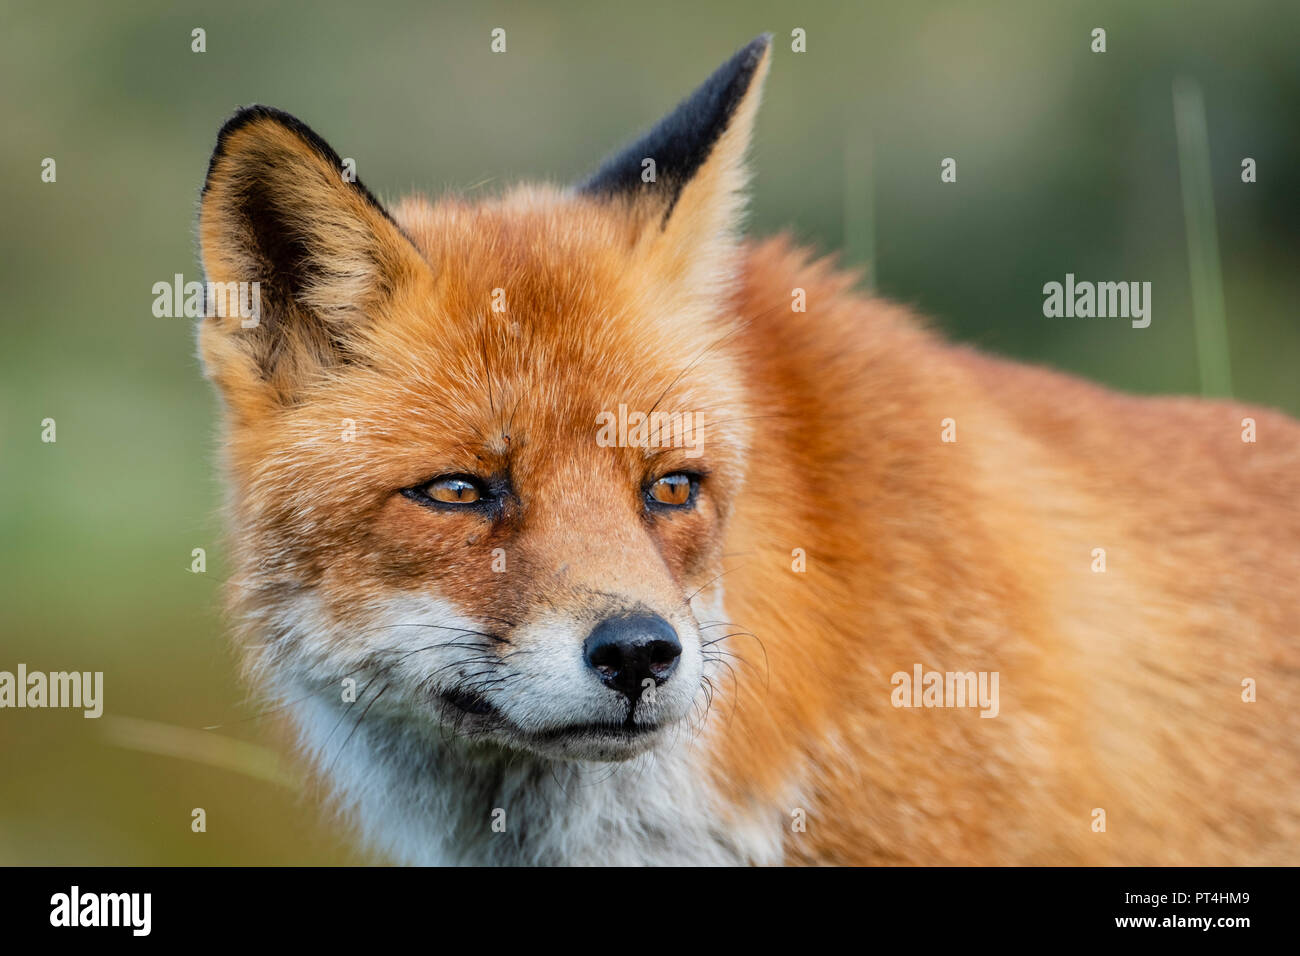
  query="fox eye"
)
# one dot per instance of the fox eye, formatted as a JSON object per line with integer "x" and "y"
{"x": 673, "y": 491}
{"x": 454, "y": 490}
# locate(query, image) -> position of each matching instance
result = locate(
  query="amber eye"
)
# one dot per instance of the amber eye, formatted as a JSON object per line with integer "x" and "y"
{"x": 672, "y": 490}
{"x": 453, "y": 491}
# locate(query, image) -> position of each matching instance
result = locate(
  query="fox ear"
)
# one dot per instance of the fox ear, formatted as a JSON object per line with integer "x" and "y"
{"x": 279, "y": 210}
{"x": 686, "y": 177}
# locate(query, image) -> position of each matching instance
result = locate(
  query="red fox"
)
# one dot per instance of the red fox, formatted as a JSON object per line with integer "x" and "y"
{"x": 566, "y": 539}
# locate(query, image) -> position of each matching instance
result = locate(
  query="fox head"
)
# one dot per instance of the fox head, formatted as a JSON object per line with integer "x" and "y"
{"x": 482, "y": 454}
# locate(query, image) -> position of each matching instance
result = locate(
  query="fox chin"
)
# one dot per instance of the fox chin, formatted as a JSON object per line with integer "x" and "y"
{"x": 570, "y": 526}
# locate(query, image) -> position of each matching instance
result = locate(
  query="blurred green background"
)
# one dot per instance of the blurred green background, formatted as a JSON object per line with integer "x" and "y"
{"x": 1067, "y": 162}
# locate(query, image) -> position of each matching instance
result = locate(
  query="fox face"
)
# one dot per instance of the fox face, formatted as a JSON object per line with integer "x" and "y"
{"x": 482, "y": 455}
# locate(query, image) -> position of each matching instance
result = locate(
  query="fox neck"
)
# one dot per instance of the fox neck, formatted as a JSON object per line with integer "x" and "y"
{"x": 423, "y": 799}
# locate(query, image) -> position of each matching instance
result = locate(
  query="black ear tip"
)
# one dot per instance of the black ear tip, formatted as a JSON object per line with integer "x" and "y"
{"x": 248, "y": 115}
{"x": 737, "y": 74}
{"x": 746, "y": 60}
{"x": 752, "y": 53}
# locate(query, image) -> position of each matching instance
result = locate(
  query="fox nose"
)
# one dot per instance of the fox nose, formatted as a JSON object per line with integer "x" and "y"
{"x": 628, "y": 650}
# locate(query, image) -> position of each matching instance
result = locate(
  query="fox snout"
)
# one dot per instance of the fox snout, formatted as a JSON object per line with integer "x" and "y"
{"x": 632, "y": 653}
{"x": 624, "y": 662}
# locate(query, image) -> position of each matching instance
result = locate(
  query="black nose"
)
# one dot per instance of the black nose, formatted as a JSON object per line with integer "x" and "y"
{"x": 627, "y": 651}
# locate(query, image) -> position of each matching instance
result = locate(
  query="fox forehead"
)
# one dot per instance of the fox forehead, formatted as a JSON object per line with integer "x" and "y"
{"x": 531, "y": 322}
{"x": 538, "y": 234}
{"x": 545, "y": 281}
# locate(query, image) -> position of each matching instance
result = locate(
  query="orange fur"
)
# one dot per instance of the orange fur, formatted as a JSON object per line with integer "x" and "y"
{"x": 1120, "y": 690}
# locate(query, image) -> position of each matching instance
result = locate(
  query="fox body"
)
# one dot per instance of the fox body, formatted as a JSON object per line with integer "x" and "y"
{"x": 506, "y": 637}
